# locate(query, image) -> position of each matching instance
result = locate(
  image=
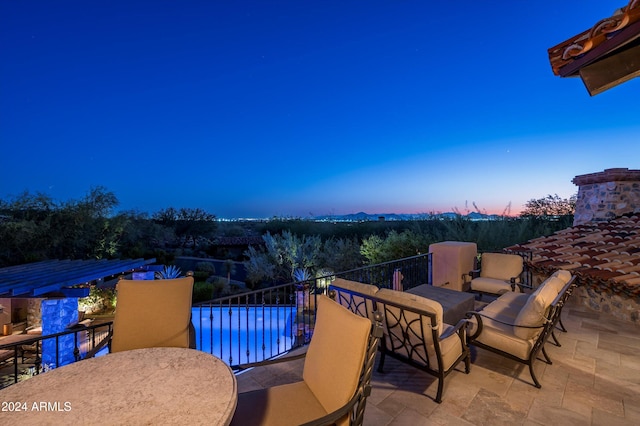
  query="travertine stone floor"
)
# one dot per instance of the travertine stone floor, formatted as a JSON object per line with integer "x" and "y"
{"x": 594, "y": 380}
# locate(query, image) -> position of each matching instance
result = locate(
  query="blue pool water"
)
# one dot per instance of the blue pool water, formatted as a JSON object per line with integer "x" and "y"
{"x": 240, "y": 335}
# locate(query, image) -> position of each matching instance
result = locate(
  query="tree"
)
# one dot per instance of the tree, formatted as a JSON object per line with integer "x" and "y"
{"x": 341, "y": 254}
{"x": 282, "y": 255}
{"x": 394, "y": 246}
{"x": 551, "y": 206}
{"x": 188, "y": 224}
{"x": 34, "y": 227}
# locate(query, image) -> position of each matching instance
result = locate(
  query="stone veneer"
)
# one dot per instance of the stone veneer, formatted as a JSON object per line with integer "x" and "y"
{"x": 606, "y": 195}
{"x": 34, "y": 312}
{"x": 57, "y": 314}
{"x": 621, "y": 307}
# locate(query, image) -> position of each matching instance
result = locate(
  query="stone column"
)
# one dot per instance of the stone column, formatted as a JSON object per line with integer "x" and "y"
{"x": 57, "y": 314}
{"x": 603, "y": 196}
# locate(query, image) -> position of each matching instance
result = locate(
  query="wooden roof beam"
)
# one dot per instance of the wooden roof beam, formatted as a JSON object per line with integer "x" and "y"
{"x": 612, "y": 70}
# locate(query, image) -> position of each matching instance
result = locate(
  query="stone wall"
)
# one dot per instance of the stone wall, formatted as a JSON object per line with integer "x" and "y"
{"x": 621, "y": 307}
{"x": 34, "y": 312}
{"x": 606, "y": 195}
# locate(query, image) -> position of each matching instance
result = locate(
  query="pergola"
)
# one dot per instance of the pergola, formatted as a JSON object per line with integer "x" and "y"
{"x": 62, "y": 277}
{"x": 605, "y": 55}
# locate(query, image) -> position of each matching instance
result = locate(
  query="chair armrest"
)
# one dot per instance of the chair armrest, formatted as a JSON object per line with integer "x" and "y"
{"x": 474, "y": 273}
{"x": 479, "y": 316}
{"x": 469, "y": 315}
{"x": 523, "y": 286}
{"x": 461, "y": 326}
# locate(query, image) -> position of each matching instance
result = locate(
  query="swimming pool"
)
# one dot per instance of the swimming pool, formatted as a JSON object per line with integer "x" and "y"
{"x": 244, "y": 334}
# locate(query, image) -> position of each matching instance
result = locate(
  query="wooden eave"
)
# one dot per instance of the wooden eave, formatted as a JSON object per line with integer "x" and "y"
{"x": 604, "y": 56}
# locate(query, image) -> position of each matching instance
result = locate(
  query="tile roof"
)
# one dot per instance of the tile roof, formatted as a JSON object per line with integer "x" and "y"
{"x": 603, "y": 255}
{"x": 577, "y": 46}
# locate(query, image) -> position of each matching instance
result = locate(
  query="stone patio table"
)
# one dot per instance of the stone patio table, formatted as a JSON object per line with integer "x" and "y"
{"x": 142, "y": 386}
{"x": 455, "y": 304}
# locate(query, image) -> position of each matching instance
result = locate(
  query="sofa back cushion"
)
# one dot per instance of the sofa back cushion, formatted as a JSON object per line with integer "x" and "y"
{"x": 153, "y": 313}
{"x": 408, "y": 333}
{"x": 357, "y": 304}
{"x": 335, "y": 357}
{"x": 500, "y": 266}
{"x": 550, "y": 288}
{"x": 532, "y": 314}
{"x": 564, "y": 275}
{"x": 413, "y": 301}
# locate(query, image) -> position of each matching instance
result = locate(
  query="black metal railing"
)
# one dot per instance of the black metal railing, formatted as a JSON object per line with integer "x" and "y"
{"x": 265, "y": 323}
{"x": 252, "y": 326}
{"x": 415, "y": 270}
{"x": 256, "y": 325}
{"x": 31, "y": 348}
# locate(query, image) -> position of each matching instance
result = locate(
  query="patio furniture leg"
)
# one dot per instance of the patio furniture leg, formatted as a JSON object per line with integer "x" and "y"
{"x": 561, "y": 325}
{"x": 546, "y": 357}
{"x": 440, "y": 388}
{"x": 555, "y": 339}
{"x": 381, "y": 362}
{"x": 533, "y": 375}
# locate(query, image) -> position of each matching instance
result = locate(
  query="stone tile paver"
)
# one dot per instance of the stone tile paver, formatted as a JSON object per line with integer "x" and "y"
{"x": 594, "y": 380}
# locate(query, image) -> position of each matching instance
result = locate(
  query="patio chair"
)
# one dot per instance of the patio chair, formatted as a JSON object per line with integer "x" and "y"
{"x": 499, "y": 273}
{"x": 517, "y": 326}
{"x": 151, "y": 313}
{"x": 335, "y": 379}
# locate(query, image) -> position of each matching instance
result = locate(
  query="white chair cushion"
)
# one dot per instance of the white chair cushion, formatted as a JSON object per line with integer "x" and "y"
{"x": 532, "y": 314}
{"x": 336, "y": 354}
{"x": 490, "y": 285}
{"x": 500, "y": 266}
{"x": 564, "y": 275}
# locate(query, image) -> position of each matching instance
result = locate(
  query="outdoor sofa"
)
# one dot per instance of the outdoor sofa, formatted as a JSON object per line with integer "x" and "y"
{"x": 414, "y": 330}
{"x": 517, "y": 325}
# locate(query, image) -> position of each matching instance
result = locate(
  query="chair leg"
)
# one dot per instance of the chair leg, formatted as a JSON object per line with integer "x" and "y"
{"x": 467, "y": 362}
{"x": 562, "y": 328}
{"x": 381, "y": 362}
{"x": 547, "y": 359}
{"x": 533, "y": 375}
{"x": 555, "y": 339}
{"x": 440, "y": 388}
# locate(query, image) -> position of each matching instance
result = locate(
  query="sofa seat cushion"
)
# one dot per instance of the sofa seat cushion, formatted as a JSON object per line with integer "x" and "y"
{"x": 501, "y": 337}
{"x": 491, "y": 285}
{"x": 290, "y": 404}
{"x": 508, "y": 306}
{"x": 505, "y": 313}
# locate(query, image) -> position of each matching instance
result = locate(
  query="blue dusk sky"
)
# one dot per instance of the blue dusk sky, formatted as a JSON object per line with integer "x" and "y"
{"x": 300, "y": 108}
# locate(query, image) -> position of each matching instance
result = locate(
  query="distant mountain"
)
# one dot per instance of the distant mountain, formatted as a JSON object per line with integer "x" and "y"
{"x": 369, "y": 217}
